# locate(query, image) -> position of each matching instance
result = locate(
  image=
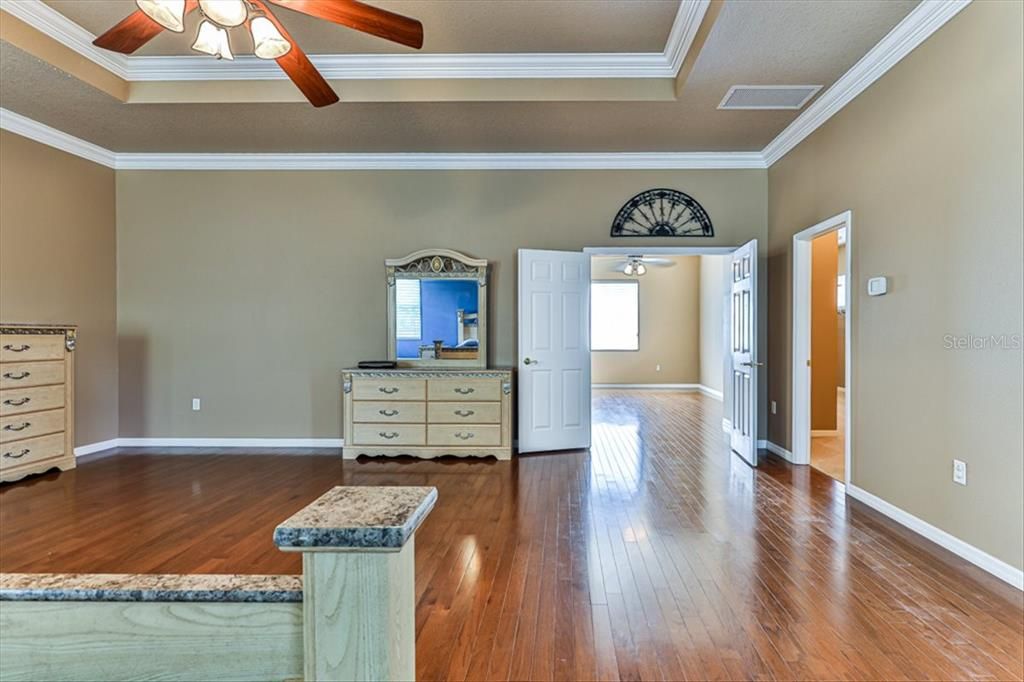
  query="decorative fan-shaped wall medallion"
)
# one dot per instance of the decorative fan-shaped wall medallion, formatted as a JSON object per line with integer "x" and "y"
{"x": 662, "y": 213}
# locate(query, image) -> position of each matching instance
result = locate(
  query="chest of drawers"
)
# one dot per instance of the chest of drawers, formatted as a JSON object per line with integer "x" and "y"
{"x": 37, "y": 393}
{"x": 428, "y": 412}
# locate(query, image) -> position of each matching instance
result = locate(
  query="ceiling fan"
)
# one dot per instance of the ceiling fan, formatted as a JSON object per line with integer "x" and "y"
{"x": 636, "y": 266}
{"x": 270, "y": 38}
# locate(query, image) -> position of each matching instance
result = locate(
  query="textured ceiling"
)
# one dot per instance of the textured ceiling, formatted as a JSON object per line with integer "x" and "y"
{"x": 802, "y": 42}
{"x": 448, "y": 26}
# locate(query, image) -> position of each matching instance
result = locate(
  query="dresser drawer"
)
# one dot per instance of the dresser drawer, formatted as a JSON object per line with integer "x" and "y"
{"x": 464, "y": 413}
{"x": 31, "y": 450}
{"x": 388, "y": 411}
{"x": 389, "y": 389}
{"x": 469, "y": 435}
{"x": 464, "y": 389}
{"x": 19, "y": 400}
{"x": 21, "y": 426}
{"x": 389, "y": 434}
{"x": 22, "y": 347}
{"x": 25, "y": 374}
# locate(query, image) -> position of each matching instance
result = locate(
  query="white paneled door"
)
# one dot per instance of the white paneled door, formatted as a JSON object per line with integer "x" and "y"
{"x": 743, "y": 343}
{"x": 554, "y": 350}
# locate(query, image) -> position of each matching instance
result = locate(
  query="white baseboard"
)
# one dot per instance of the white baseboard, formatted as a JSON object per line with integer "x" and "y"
{"x": 209, "y": 443}
{"x": 231, "y": 442}
{"x": 690, "y": 388}
{"x": 979, "y": 558}
{"x": 824, "y": 433}
{"x": 776, "y": 449}
{"x": 95, "y": 447}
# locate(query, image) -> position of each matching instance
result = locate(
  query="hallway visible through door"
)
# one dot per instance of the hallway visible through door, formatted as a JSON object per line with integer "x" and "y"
{"x": 828, "y": 353}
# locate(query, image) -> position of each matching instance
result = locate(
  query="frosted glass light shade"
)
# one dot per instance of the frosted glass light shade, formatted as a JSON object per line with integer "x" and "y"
{"x": 641, "y": 269}
{"x": 224, "y": 12}
{"x": 168, "y": 13}
{"x": 213, "y": 40}
{"x": 269, "y": 42}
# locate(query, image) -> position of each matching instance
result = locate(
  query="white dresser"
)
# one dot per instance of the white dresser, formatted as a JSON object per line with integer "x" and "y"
{"x": 428, "y": 412}
{"x": 37, "y": 392}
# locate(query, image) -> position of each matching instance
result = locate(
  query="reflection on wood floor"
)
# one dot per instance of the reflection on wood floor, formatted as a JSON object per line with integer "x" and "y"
{"x": 656, "y": 556}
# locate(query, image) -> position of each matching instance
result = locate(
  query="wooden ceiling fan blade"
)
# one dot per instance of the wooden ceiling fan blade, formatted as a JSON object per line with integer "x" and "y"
{"x": 296, "y": 64}
{"x": 354, "y": 14}
{"x": 134, "y": 31}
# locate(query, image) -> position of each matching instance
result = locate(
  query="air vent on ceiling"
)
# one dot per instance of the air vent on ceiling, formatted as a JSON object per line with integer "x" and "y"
{"x": 768, "y": 96}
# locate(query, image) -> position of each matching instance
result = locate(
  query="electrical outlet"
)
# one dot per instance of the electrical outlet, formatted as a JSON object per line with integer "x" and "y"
{"x": 959, "y": 472}
{"x": 775, "y": 407}
{"x": 195, "y": 404}
{"x": 657, "y": 368}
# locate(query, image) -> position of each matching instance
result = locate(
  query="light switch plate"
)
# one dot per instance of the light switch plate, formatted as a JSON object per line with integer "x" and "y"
{"x": 959, "y": 472}
{"x": 877, "y": 286}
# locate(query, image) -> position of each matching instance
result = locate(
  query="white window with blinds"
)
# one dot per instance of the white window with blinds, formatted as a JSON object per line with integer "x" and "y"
{"x": 407, "y": 308}
{"x": 615, "y": 316}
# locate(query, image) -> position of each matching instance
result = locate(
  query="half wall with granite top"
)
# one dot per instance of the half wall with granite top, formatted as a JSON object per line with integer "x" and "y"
{"x": 350, "y": 616}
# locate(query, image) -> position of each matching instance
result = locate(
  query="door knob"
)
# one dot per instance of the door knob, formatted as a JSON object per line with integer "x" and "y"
{"x": 528, "y": 361}
{"x": 752, "y": 364}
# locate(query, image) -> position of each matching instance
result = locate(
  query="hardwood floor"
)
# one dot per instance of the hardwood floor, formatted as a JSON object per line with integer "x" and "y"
{"x": 828, "y": 453}
{"x": 656, "y": 556}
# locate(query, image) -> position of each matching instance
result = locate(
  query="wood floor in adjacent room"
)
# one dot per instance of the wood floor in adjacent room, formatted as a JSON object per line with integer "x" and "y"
{"x": 658, "y": 555}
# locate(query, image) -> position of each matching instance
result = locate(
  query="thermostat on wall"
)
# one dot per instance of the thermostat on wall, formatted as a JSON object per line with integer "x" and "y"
{"x": 877, "y": 286}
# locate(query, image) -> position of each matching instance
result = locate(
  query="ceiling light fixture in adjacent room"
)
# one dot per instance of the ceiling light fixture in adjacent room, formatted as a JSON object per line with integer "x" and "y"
{"x": 213, "y": 40}
{"x": 227, "y": 13}
{"x": 168, "y": 13}
{"x": 268, "y": 41}
{"x": 635, "y": 267}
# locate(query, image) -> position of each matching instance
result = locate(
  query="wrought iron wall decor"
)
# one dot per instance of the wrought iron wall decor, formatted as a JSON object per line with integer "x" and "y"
{"x": 662, "y": 213}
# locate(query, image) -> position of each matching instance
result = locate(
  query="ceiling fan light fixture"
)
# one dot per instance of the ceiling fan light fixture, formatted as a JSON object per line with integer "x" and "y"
{"x": 227, "y": 13}
{"x": 268, "y": 41}
{"x": 213, "y": 40}
{"x": 168, "y": 13}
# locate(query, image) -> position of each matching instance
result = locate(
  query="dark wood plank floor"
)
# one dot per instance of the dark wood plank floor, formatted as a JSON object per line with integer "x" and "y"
{"x": 658, "y": 555}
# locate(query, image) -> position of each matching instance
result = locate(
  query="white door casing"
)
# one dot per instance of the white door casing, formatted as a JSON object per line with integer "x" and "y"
{"x": 743, "y": 346}
{"x": 554, "y": 350}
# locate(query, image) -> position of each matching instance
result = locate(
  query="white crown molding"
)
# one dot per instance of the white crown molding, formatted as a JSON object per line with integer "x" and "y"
{"x": 34, "y": 130}
{"x": 26, "y": 127}
{"x": 44, "y": 18}
{"x": 444, "y": 161}
{"x": 924, "y": 20}
{"x": 684, "y": 30}
{"x": 664, "y": 64}
{"x": 980, "y": 558}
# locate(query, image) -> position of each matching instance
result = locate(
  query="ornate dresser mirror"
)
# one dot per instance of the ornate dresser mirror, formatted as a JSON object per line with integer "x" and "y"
{"x": 437, "y": 309}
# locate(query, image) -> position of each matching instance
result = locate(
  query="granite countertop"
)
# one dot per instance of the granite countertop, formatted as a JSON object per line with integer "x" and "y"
{"x": 378, "y": 517}
{"x": 149, "y": 587}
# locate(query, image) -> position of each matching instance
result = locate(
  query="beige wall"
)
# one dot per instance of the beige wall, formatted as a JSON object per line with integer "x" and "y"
{"x": 930, "y": 161}
{"x": 824, "y": 368}
{"x": 58, "y": 265}
{"x": 253, "y": 289}
{"x": 713, "y": 298}
{"x": 669, "y": 327}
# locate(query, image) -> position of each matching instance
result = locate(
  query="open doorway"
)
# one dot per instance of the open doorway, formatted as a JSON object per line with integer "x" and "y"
{"x": 555, "y": 335}
{"x": 821, "y": 353}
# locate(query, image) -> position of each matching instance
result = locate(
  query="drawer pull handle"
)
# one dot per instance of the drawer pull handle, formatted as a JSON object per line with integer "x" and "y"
{"x": 16, "y": 403}
{"x": 464, "y": 436}
{"x": 22, "y": 427}
{"x": 388, "y": 390}
{"x": 388, "y": 434}
{"x": 17, "y": 456}
{"x": 16, "y": 349}
{"x": 388, "y": 413}
{"x": 464, "y": 391}
{"x": 465, "y": 413}
{"x": 16, "y": 377}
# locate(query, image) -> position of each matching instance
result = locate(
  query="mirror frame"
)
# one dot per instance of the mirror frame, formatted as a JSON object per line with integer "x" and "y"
{"x": 437, "y": 264}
